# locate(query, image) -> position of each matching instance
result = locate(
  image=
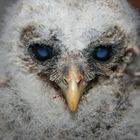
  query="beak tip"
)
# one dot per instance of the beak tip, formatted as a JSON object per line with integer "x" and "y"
{"x": 73, "y": 106}
{"x": 73, "y": 109}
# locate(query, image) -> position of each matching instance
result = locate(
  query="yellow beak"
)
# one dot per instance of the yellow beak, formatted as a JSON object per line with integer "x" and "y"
{"x": 74, "y": 89}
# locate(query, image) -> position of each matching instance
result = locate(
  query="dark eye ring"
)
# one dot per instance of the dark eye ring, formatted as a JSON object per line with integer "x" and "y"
{"x": 41, "y": 52}
{"x": 102, "y": 53}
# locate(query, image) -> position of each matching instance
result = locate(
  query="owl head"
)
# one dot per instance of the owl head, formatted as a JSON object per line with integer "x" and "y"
{"x": 70, "y": 46}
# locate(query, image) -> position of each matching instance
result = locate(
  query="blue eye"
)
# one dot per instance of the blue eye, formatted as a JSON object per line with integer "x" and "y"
{"x": 102, "y": 53}
{"x": 41, "y": 52}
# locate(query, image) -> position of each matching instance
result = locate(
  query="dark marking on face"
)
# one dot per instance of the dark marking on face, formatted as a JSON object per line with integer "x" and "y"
{"x": 28, "y": 33}
{"x": 116, "y": 40}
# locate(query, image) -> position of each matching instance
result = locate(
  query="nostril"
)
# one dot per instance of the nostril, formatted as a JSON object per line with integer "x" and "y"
{"x": 79, "y": 82}
{"x": 73, "y": 78}
{"x": 65, "y": 81}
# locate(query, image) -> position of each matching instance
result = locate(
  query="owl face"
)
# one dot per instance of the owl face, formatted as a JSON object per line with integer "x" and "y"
{"x": 72, "y": 48}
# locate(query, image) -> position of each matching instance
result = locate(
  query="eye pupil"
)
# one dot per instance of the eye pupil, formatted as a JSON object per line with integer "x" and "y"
{"x": 102, "y": 53}
{"x": 41, "y": 52}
